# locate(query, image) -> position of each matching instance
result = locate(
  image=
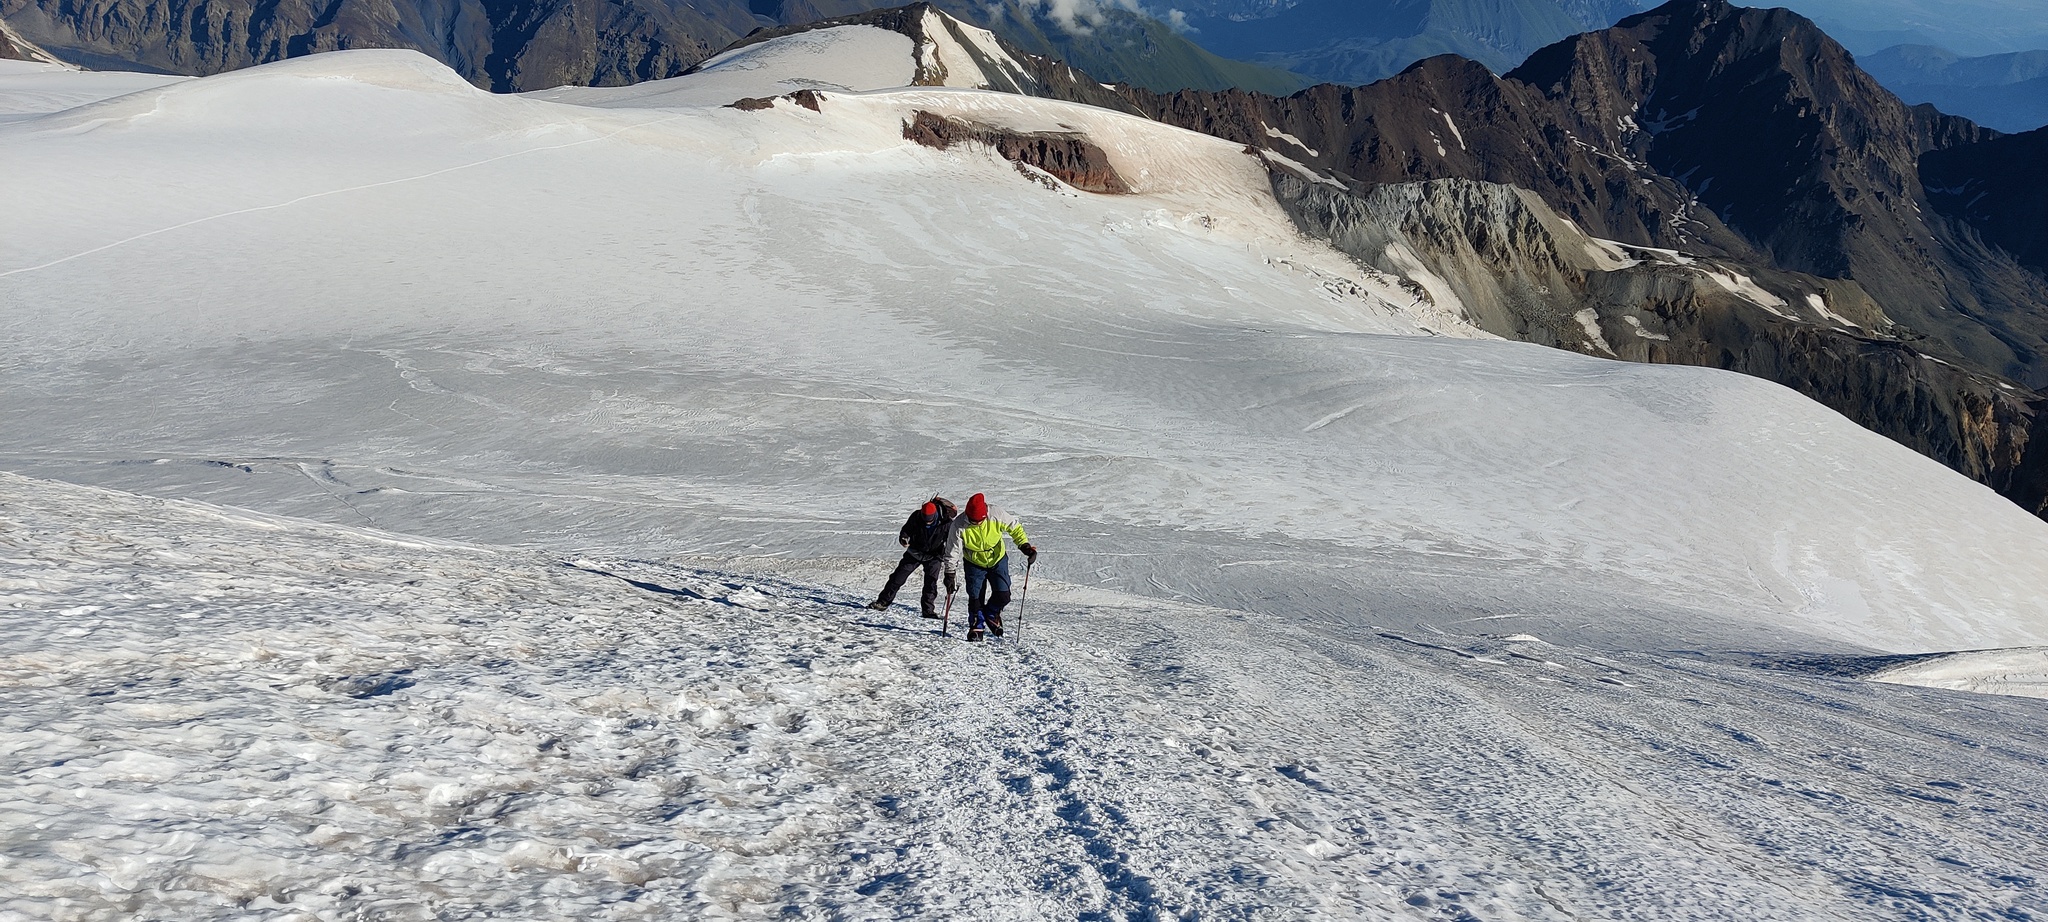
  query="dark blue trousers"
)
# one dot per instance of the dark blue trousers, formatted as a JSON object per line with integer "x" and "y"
{"x": 988, "y": 590}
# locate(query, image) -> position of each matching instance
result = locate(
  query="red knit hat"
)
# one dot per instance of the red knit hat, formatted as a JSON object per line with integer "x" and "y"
{"x": 931, "y": 509}
{"x": 977, "y": 508}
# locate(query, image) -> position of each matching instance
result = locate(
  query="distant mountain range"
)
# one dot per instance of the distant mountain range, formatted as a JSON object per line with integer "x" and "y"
{"x": 1360, "y": 41}
{"x": 2008, "y": 92}
{"x": 525, "y": 45}
{"x": 1970, "y": 27}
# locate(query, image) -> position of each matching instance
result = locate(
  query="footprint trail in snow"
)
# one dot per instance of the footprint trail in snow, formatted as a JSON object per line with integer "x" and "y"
{"x": 211, "y": 714}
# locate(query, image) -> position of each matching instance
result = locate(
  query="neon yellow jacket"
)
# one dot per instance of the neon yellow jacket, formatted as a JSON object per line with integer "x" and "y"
{"x": 981, "y": 543}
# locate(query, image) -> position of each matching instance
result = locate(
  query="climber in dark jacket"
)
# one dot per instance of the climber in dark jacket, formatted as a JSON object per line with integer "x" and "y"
{"x": 924, "y": 545}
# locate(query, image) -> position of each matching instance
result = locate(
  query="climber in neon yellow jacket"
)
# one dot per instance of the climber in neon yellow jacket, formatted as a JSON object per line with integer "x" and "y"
{"x": 975, "y": 546}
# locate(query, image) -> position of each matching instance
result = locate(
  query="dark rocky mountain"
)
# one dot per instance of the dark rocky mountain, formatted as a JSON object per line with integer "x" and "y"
{"x": 1746, "y": 139}
{"x": 1998, "y": 188}
{"x": 1698, "y": 127}
{"x": 1360, "y": 41}
{"x": 1771, "y": 126}
{"x": 520, "y": 45}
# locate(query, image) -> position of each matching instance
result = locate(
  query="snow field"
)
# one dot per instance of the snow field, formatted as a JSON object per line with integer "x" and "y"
{"x": 213, "y": 714}
{"x": 210, "y": 714}
{"x": 396, "y": 300}
{"x": 842, "y": 58}
{"x": 1338, "y": 618}
{"x": 29, "y": 88}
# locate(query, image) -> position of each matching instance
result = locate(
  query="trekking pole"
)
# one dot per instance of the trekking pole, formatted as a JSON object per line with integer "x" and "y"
{"x": 946, "y": 625}
{"x": 1023, "y": 593}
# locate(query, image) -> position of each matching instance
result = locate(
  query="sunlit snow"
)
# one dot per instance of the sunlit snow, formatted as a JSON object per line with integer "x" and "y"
{"x": 431, "y": 504}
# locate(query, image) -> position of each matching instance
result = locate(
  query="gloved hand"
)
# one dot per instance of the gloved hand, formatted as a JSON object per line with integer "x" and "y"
{"x": 952, "y": 582}
{"x": 1030, "y": 553}
{"x": 902, "y": 541}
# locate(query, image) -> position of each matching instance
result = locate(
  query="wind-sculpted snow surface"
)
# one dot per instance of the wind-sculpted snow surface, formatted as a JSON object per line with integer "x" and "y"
{"x": 209, "y": 713}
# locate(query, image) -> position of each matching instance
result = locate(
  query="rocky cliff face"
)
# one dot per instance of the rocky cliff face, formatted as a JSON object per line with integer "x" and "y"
{"x": 1066, "y": 156}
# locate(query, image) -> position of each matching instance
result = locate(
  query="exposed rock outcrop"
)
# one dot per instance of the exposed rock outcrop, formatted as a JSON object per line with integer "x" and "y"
{"x": 1067, "y": 156}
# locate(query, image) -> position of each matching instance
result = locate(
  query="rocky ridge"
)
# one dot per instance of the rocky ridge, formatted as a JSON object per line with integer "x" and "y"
{"x": 1065, "y": 156}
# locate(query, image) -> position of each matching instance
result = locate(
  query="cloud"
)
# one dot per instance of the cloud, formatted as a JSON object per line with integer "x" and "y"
{"x": 1081, "y": 17}
{"x": 1078, "y": 17}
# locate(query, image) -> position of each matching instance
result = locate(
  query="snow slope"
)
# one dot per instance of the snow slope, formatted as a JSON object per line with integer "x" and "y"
{"x": 856, "y": 58}
{"x": 518, "y": 468}
{"x": 31, "y": 88}
{"x": 847, "y": 57}
{"x": 216, "y": 714}
{"x": 353, "y": 286}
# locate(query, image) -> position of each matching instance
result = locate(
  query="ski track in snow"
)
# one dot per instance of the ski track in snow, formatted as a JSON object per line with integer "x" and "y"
{"x": 213, "y": 714}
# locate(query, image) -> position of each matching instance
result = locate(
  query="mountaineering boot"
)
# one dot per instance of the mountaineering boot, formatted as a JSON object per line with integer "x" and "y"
{"x": 928, "y": 613}
{"x": 974, "y": 635}
{"x": 878, "y": 605}
{"x": 995, "y": 624}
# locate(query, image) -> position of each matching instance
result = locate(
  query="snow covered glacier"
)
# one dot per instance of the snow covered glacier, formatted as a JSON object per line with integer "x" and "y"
{"x": 430, "y": 504}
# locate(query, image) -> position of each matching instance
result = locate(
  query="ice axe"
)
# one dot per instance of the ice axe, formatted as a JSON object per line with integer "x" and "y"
{"x": 946, "y": 622}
